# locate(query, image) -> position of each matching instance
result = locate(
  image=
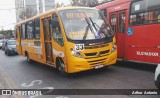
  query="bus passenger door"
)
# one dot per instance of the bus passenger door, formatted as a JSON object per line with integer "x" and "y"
{"x": 47, "y": 39}
{"x": 118, "y": 21}
{"x": 58, "y": 42}
{"x": 18, "y": 40}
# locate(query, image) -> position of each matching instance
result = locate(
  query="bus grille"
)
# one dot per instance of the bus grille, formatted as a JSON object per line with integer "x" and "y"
{"x": 96, "y": 62}
{"x": 104, "y": 52}
{"x": 96, "y": 53}
{"x": 91, "y": 54}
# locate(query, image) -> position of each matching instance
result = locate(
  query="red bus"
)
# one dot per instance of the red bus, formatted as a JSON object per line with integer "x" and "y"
{"x": 137, "y": 27}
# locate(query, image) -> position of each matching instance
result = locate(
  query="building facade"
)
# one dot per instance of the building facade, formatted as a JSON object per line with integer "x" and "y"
{"x": 28, "y": 8}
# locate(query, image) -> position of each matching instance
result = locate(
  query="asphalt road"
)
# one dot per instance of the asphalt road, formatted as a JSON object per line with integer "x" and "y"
{"x": 21, "y": 75}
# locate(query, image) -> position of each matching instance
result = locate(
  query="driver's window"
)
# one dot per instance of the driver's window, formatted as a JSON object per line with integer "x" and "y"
{"x": 56, "y": 30}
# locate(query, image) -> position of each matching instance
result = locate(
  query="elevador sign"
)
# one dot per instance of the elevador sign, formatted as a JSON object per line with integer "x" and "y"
{"x": 143, "y": 53}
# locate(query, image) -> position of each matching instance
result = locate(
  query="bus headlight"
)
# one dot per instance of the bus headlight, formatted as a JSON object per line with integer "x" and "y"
{"x": 114, "y": 48}
{"x": 75, "y": 53}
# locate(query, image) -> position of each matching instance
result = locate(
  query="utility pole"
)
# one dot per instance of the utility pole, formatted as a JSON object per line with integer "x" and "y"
{"x": 2, "y": 27}
{"x": 37, "y": 3}
{"x": 43, "y": 4}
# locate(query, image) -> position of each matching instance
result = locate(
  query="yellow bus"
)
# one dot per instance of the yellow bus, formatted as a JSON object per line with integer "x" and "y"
{"x": 71, "y": 39}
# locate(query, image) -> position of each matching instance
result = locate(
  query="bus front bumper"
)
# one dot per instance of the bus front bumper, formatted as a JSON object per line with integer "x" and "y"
{"x": 81, "y": 64}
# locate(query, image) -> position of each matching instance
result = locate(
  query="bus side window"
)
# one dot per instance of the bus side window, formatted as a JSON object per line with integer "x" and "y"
{"x": 23, "y": 31}
{"x": 159, "y": 18}
{"x": 56, "y": 30}
{"x": 113, "y": 22}
{"x": 158, "y": 15}
{"x": 37, "y": 29}
{"x": 30, "y": 29}
{"x": 121, "y": 26}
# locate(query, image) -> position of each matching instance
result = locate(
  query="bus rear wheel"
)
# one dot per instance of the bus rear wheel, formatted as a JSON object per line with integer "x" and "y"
{"x": 61, "y": 67}
{"x": 28, "y": 59}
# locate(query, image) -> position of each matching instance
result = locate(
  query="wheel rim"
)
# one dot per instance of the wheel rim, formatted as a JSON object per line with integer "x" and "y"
{"x": 61, "y": 66}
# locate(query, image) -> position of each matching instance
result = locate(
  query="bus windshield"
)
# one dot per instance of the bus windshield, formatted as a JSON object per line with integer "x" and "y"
{"x": 85, "y": 24}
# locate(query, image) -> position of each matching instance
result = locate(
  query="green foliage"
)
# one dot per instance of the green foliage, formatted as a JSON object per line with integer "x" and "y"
{"x": 86, "y": 3}
{"x": 7, "y": 34}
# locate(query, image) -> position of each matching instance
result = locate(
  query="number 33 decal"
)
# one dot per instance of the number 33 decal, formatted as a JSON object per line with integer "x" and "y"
{"x": 79, "y": 47}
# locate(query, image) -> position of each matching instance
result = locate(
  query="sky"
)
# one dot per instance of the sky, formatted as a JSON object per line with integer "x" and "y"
{"x": 7, "y": 13}
{"x": 66, "y": 2}
{"x": 7, "y": 17}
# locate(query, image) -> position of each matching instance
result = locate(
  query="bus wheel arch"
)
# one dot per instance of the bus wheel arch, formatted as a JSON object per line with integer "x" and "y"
{"x": 60, "y": 66}
{"x": 27, "y": 55}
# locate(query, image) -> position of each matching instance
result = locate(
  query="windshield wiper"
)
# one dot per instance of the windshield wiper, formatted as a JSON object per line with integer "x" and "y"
{"x": 93, "y": 24}
{"x": 86, "y": 33}
{"x": 87, "y": 28}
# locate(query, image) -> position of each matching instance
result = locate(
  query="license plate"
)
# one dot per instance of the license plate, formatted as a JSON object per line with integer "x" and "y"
{"x": 98, "y": 66}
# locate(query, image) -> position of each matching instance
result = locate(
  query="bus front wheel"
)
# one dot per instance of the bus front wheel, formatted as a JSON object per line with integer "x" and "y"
{"x": 61, "y": 67}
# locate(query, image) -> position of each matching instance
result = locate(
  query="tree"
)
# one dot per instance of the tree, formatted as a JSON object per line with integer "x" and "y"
{"x": 27, "y": 13}
{"x": 87, "y": 3}
{"x": 75, "y": 3}
{"x": 7, "y": 34}
{"x": 58, "y": 5}
{"x": 1, "y": 36}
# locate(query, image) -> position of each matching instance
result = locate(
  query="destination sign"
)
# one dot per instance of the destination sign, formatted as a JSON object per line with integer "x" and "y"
{"x": 79, "y": 15}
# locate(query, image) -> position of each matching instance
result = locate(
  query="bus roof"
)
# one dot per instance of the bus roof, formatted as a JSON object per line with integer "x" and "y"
{"x": 51, "y": 11}
{"x": 112, "y": 3}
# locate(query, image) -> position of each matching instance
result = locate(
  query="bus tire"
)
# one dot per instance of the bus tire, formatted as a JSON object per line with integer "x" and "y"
{"x": 7, "y": 54}
{"x": 157, "y": 82}
{"x": 28, "y": 59}
{"x": 61, "y": 67}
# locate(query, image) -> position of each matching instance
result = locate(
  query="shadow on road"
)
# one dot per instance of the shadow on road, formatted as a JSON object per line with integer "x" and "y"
{"x": 39, "y": 67}
{"x": 137, "y": 66}
{"x": 84, "y": 74}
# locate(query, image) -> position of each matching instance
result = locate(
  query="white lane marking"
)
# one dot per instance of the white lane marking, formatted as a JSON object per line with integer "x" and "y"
{"x": 32, "y": 83}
